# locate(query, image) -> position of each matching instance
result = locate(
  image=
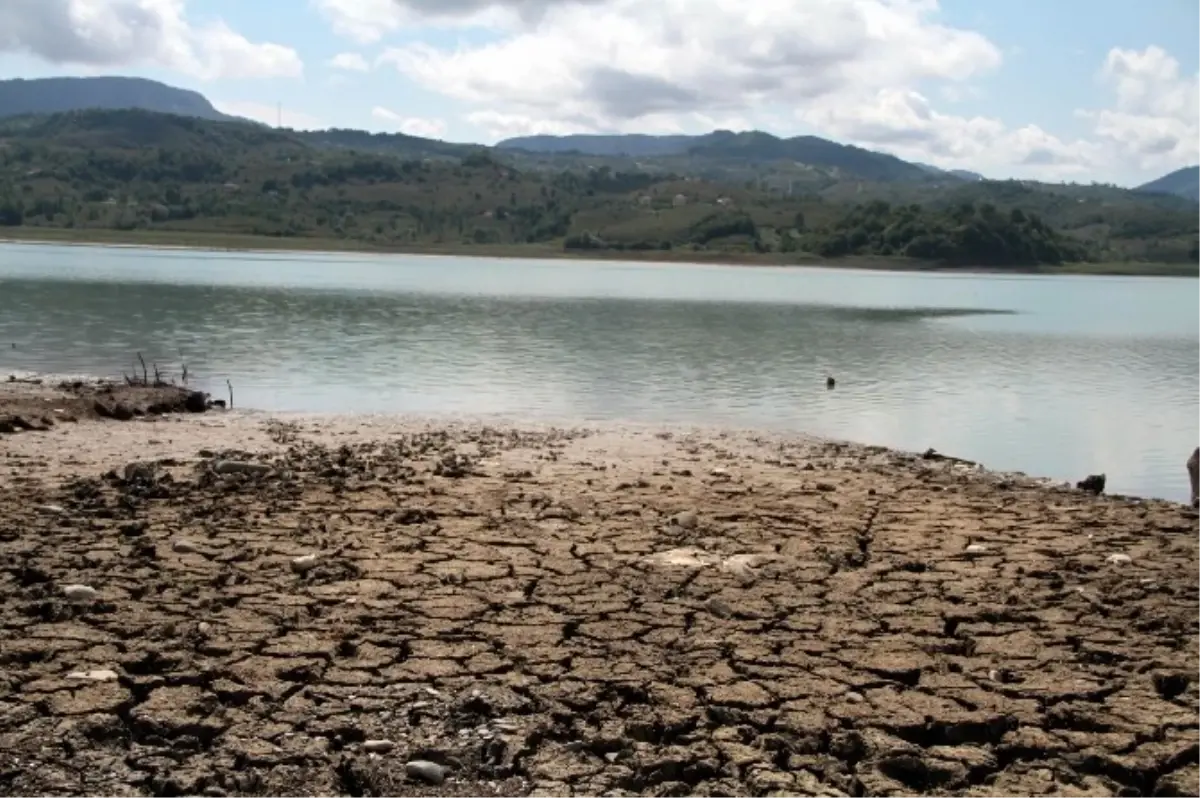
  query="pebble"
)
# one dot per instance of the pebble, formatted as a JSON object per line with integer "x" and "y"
{"x": 304, "y": 563}
{"x": 53, "y": 509}
{"x": 430, "y": 772}
{"x": 235, "y": 467}
{"x": 101, "y": 675}
{"x": 685, "y": 520}
{"x": 184, "y": 547}
{"x": 378, "y": 746}
{"x": 976, "y": 548}
{"x": 855, "y": 698}
{"x": 80, "y": 594}
{"x": 204, "y": 628}
{"x": 1118, "y": 559}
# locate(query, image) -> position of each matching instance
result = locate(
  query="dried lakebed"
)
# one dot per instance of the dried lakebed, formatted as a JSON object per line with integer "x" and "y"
{"x": 572, "y": 612}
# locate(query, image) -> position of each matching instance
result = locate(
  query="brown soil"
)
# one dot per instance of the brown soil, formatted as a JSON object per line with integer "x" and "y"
{"x": 36, "y": 405}
{"x": 564, "y": 612}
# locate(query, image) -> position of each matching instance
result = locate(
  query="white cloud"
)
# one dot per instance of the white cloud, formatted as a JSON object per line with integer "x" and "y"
{"x": 409, "y": 125}
{"x": 904, "y": 123}
{"x": 270, "y": 114}
{"x": 350, "y": 62}
{"x": 600, "y": 65}
{"x": 112, "y": 33}
{"x": 1156, "y": 116}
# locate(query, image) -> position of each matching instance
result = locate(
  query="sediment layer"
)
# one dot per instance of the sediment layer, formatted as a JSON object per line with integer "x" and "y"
{"x": 549, "y": 611}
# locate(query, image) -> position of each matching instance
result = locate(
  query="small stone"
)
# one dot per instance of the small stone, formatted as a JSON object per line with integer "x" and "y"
{"x": 429, "y": 772}
{"x": 204, "y": 628}
{"x": 184, "y": 547}
{"x": 855, "y": 698}
{"x": 236, "y": 467}
{"x": 976, "y": 548}
{"x": 719, "y": 472}
{"x": 1118, "y": 559}
{"x": 80, "y": 594}
{"x": 685, "y": 520}
{"x": 100, "y": 675}
{"x": 378, "y": 746}
{"x": 719, "y": 607}
{"x": 52, "y": 509}
{"x": 304, "y": 563}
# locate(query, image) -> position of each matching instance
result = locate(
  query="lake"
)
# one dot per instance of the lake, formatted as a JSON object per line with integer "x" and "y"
{"x": 1055, "y": 376}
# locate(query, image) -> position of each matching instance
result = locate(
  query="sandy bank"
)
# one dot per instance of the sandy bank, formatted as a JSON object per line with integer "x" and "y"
{"x": 617, "y": 611}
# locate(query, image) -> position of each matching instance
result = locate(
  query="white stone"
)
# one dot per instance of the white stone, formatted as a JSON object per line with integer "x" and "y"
{"x": 100, "y": 675}
{"x": 1118, "y": 559}
{"x": 378, "y": 746}
{"x": 976, "y": 548}
{"x": 80, "y": 594}
{"x": 304, "y": 563}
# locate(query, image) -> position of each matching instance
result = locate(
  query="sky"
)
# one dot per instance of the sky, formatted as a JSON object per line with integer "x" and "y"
{"x": 1056, "y": 90}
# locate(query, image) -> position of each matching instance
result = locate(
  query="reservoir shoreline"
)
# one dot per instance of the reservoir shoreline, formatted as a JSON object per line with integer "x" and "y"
{"x": 273, "y": 604}
{"x": 224, "y": 242}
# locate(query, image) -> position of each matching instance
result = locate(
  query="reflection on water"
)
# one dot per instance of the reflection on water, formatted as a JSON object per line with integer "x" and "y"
{"x": 1054, "y": 376}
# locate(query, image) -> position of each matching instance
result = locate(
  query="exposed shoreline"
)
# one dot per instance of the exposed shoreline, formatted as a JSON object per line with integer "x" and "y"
{"x": 222, "y": 242}
{"x": 617, "y": 609}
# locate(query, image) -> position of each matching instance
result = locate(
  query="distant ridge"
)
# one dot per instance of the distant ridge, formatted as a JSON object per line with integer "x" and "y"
{"x": 1183, "y": 182}
{"x": 19, "y": 97}
{"x": 750, "y": 146}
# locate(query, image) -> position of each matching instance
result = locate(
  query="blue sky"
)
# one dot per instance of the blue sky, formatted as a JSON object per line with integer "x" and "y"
{"x": 1057, "y": 89}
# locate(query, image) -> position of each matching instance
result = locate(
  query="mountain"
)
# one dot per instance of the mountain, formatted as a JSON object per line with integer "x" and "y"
{"x": 1183, "y": 182}
{"x": 961, "y": 174}
{"x": 724, "y": 145}
{"x": 19, "y": 97}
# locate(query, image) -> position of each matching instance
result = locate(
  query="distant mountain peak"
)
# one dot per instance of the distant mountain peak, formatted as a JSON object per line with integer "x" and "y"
{"x": 20, "y": 96}
{"x": 1183, "y": 182}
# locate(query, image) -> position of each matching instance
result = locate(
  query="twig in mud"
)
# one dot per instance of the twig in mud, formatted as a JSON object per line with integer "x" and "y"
{"x": 230, "y": 384}
{"x": 145, "y": 377}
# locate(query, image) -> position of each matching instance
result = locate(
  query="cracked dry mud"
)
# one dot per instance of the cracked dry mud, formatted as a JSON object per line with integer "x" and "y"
{"x": 570, "y": 612}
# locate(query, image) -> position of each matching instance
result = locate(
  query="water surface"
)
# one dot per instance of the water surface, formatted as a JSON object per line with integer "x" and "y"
{"x": 1055, "y": 376}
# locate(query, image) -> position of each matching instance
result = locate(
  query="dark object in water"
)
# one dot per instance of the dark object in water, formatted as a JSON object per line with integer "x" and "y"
{"x": 217, "y": 403}
{"x": 830, "y": 382}
{"x": 1092, "y": 484}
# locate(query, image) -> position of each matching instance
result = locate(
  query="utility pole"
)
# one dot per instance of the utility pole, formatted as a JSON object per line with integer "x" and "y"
{"x": 278, "y": 114}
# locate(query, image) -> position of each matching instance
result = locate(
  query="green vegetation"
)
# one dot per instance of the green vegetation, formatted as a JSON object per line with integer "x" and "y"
{"x": 138, "y": 174}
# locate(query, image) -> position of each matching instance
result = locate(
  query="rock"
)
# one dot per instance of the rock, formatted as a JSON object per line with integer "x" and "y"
{"x": 184, "y": 547}
{"x": 976, "y": 548}
{"x": 101, "y": 675}
{"x": 80, "y": 594}
{"x": 378, "y": 746}
{"x": 685, "y": 520}
{"x": 1094, "y": 483}
{"x": 237, "y": 467}
{"x": 1193, "y": 469}
{"x": 204, "y": 628}
{"x": 121, "y": 412}
{"x": 52, "y": 509}
{"x": 1118, "y": 559}
{"x": 196, "y": 402}
{"x": 429, "y": 772}
{"x": 140, "y": 472}
{"x": 830, "y": 383}
{"x": 1171, "y": 685}
{"x": 304, "y": 563}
